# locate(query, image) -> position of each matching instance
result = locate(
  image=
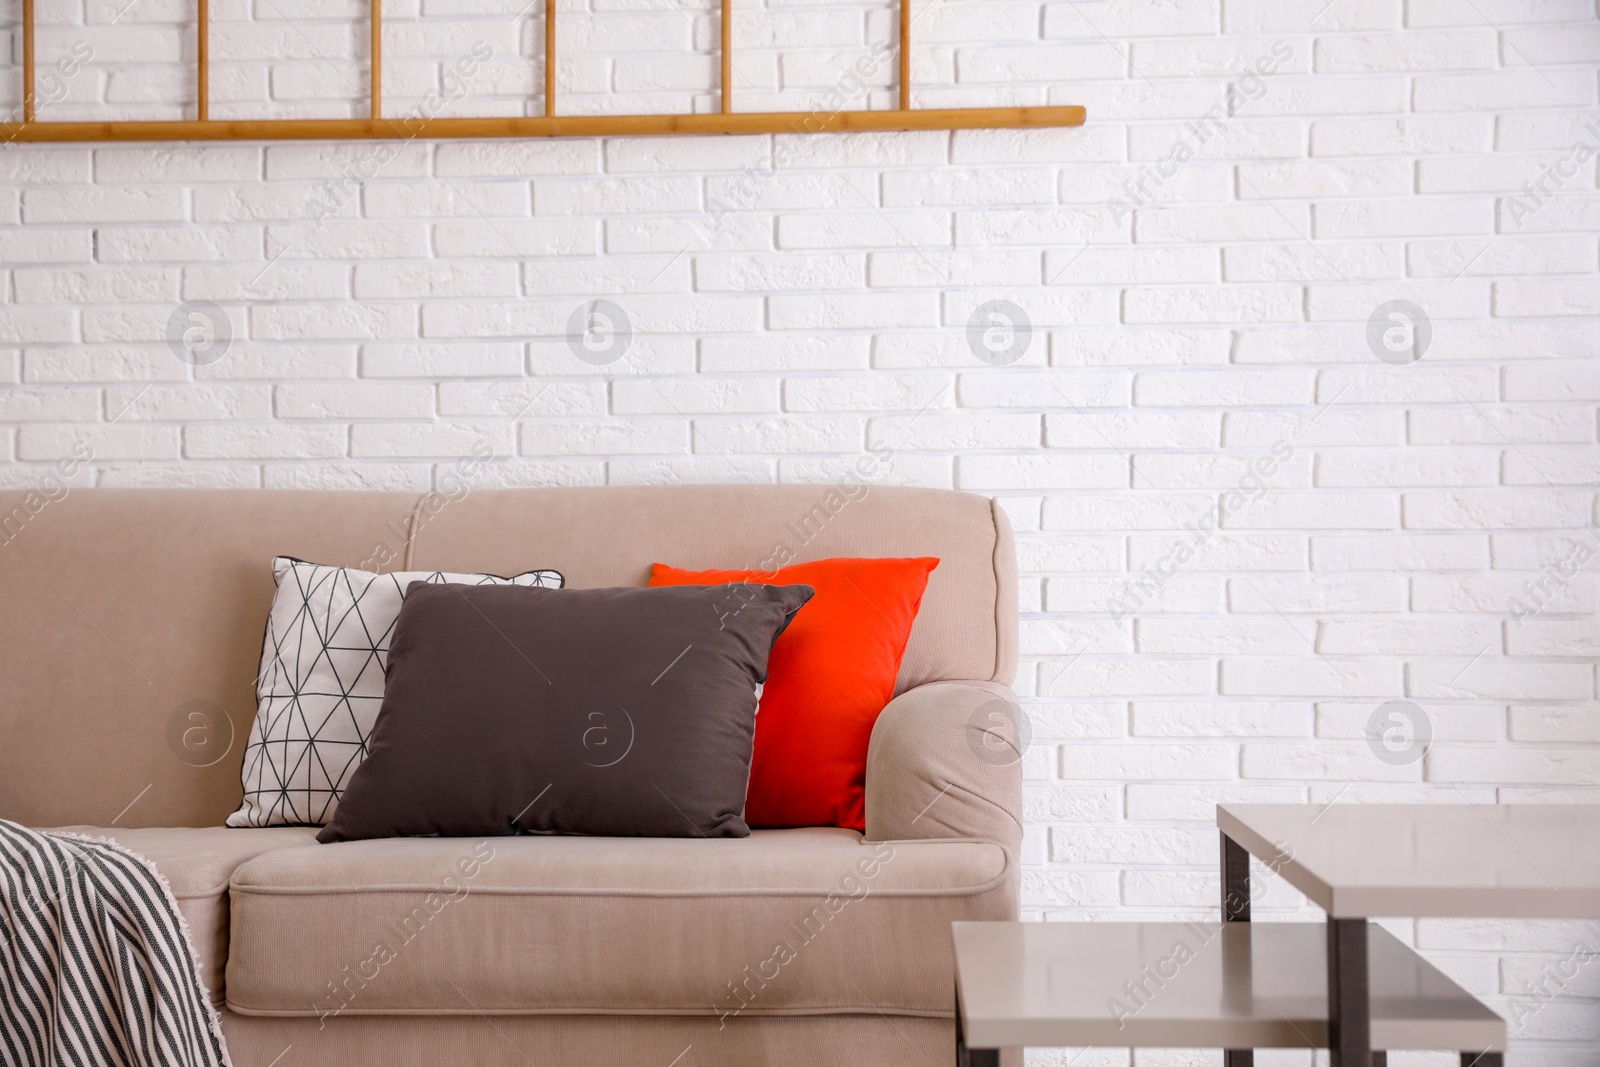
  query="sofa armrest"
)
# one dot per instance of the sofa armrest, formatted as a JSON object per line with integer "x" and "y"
{"x": 945, "y": 760}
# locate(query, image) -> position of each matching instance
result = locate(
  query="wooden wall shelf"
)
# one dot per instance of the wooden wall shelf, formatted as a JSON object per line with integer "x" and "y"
{"x": 378, "y": 127}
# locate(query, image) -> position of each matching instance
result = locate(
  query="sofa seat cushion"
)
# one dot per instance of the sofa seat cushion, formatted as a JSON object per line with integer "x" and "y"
{"x": 197, "y": 863}
{"x": 780, "y": 922}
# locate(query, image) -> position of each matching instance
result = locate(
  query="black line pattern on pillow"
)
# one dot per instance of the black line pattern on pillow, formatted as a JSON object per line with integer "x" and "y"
{"x": 321, "y": 683}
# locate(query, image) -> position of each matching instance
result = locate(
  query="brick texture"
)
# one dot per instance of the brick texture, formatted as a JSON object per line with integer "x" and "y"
{"x": 1248, "y": 517}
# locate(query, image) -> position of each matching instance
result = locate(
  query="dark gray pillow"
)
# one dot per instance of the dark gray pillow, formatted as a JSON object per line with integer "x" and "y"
{"x": 620, "y": 712}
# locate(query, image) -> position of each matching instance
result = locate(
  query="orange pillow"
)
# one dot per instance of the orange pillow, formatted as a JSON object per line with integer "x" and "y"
{"x": 829, "y": 676}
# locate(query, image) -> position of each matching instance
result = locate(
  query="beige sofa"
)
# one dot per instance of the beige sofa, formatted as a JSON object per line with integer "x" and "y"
{"x": 794, "y": 947}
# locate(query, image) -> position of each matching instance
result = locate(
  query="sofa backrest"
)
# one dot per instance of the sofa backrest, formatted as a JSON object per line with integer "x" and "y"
{"x": 130, "y": 635}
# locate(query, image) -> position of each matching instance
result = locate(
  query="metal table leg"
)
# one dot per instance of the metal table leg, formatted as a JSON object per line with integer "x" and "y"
{"x": 981, "y": 1057}
{"x": 971, "y": 1057}
{"x": 1236, "y": 909}
{"x": 1349, "y": 999}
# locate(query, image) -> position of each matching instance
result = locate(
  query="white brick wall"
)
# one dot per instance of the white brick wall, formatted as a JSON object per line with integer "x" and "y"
{"x": 1199, "y": 289}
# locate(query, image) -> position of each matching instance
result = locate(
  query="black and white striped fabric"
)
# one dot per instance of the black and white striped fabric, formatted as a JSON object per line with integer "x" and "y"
{"x": 96, "y": 967}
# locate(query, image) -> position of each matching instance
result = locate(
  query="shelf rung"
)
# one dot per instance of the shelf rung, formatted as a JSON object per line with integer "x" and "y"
{"x": 392, "y": 129}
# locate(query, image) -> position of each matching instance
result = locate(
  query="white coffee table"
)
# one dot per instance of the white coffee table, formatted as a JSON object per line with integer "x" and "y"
{"x": 1360, "y": 861}
{"x": 1189, "y": 985}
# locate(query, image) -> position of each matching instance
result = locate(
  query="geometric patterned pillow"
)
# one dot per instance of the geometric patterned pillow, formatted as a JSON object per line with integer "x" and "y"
{"x": 321, "y": 683}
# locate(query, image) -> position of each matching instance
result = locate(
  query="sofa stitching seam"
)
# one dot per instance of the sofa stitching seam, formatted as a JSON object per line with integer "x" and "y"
{"x": 412, "y": 528}
{"x": 977, "y": 889}
{"x": 994, "y": 566}
{"x": 985, "y": 800}
{"x": 904, "y": 1011}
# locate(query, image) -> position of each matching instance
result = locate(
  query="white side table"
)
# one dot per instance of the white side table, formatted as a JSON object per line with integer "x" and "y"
{"x": 1186, "y": 985}
{"x": 1360, "y": 861}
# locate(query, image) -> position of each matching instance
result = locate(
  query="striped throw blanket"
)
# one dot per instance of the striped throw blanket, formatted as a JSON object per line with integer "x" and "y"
{"x": 96, "y": 967}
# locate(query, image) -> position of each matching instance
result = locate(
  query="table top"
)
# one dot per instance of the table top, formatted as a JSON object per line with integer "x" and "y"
{"x": 1195, "y": 985}
{"x": 1491, "y": 861}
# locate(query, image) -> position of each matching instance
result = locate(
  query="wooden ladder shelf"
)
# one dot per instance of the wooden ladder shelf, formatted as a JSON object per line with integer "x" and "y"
{"x": 379, "y": 127}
